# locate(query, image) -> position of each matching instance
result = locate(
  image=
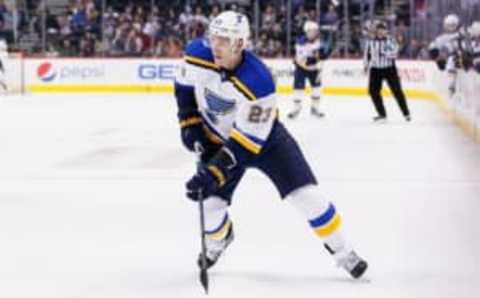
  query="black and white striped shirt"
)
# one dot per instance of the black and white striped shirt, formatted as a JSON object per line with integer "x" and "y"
{"x": 380, "y": 53}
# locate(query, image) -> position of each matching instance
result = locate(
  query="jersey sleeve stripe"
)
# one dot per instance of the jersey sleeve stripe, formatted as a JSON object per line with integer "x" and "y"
{"x": 218, "y": 175}
{"x": 190, "y": 122}
{"x": 245, "y": 142}
{"x": 212, "y": 137}
{"x": 243, "y": 89}
{"x": 200, "y": 62}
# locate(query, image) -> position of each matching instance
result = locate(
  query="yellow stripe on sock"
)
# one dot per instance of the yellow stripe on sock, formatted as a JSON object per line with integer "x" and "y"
{"x": 222, "y": 233}
{"x": 330, "y": 227}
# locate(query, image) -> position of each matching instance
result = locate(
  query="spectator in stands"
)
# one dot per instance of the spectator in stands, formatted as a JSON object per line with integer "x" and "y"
{"x": 7, "y": 22}
{"x": 137, "y": 28}
{"x": 64, "y": 26}
{"x": 299, "y": 19}
{"x": 3, "y": 7}
{"x": 151, "y": 27}
{"x": 268, "y": 18}
{"x": 186, "y": 18}
{"x": 200, "y": 18}
{"x": 330, "y": 17}
{"x": 415, "y": 50}
{"x": 215, "y": 12}
{"x": 402, "y": 44}
{"x": 174, "y": 48}
{"x": 88, "y": 45}
{"x": 66, "y": 49}
{"x": 261, "y": 45}
{"x": 51, "y": 51}
{"x": 134, "y": 44}
{"x": 160, "y": 50}
{"x": 171, "y": 22}
{"x": 79, "y": 18}
{"x": 51, "y": 22}
{"x": 119, "y": 42}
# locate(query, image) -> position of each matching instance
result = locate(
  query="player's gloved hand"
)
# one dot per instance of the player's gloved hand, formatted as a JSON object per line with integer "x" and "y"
{"x": 205, "y": 182}
{"x": 193, "y": 134}
{"x": 209, "y": 151}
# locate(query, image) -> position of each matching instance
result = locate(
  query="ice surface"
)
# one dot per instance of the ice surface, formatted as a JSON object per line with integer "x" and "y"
{"x": 92, "y": 205}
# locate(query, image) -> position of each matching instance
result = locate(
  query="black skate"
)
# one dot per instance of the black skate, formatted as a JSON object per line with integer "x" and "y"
{"x": 350, "y": 261}
{"x": 215, "y": 249}
{"x": 353, "y": 264}
{"x": 294, "y": 114}
{"x": 408, "y": 118}
{"x": 315, "y": 112}
{"x": 380, "y": 119}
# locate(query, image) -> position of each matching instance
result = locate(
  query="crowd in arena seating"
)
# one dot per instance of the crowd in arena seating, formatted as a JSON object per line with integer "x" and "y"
{"x": 135, "y": 29}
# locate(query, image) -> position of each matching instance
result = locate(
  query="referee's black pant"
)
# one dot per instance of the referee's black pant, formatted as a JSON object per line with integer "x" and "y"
{"x": 390, "y": 74}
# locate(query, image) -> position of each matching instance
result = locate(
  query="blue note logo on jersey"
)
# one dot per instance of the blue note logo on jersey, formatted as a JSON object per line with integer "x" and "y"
{"x": 217, "y": 105}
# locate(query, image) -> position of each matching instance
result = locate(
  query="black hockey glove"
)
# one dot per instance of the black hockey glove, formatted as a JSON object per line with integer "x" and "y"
{"x": 211, "y": 176}
{"x": 192, "y": 132}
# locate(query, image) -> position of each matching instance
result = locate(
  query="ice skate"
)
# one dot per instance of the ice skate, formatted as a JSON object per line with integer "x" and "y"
{"x": 215, "y": 248}
{"x": 315, "y": 112}
{"x": 350, "y": 261}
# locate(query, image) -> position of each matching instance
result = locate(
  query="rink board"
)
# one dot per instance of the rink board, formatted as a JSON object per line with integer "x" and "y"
{"x": 340, "y": 77}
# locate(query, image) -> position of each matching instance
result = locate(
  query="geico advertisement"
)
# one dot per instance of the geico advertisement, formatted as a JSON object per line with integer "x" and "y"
{"x": 157, "y": 70}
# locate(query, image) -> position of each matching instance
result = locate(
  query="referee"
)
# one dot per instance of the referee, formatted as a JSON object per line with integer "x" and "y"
{"x": 381, "y": 51}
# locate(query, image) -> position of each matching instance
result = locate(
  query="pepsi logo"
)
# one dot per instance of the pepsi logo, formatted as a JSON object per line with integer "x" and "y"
{"x": 46, "y": 72}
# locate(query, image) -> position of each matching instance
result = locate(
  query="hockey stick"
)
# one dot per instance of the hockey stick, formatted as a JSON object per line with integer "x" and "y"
{"x": 203, "y": 267}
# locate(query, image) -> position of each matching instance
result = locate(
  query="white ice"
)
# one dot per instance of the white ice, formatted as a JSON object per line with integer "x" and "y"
{"x": 92, "y": 205}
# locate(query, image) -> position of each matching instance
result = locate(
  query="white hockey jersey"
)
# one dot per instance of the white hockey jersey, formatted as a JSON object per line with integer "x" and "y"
{"x": 238, "y": 105}
{"x": 307, "y": 51}
{"x": 3, "y": 56}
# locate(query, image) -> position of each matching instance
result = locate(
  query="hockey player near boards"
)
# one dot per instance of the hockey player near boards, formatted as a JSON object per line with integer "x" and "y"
{"x": 474, "y": 32}
{"x": 309, "y": 54}
{"x": 227, "y": 104}
{"x": 3, "y": 61}
{"x": 453, "y": 49}
{"x": 379, "y": 62}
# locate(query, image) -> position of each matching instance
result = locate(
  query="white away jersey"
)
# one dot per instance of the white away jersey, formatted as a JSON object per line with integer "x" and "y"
{"x": 239, "y": 104}
{"x": 308, "y": 51}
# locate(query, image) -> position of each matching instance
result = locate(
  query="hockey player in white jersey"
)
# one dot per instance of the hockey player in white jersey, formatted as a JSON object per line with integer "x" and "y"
{"x": 309, "y": 56}
{"x": 227, "y": 105}
{"x": 445, "y": 44}
{"x": 450, "y": 50}
{"x": 474, "y": 32}
{"x": 3, "y": 62}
